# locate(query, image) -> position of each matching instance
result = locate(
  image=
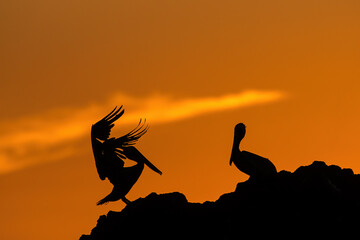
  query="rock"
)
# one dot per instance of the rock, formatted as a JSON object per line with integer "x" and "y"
{"x": 315, "y": 199}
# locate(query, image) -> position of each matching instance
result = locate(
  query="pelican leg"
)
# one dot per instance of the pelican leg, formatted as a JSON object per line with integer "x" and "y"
{"x": 125, "y": 200}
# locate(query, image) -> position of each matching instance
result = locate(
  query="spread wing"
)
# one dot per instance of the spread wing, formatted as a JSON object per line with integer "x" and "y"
{"x": 130, "y": 138}
{"x": 122, "y": 146}
{"x": 100, "y": 131}
{"x": 113, "y": 148}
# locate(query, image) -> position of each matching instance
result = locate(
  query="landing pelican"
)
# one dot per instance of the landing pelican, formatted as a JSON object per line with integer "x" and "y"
{"x": 109, "y": 154}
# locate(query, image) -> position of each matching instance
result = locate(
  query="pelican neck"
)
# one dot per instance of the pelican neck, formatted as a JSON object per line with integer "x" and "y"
{"x": 237, "y": 141}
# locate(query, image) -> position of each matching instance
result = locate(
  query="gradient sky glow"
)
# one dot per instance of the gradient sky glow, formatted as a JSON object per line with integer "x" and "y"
{"x": 288, "y": 69}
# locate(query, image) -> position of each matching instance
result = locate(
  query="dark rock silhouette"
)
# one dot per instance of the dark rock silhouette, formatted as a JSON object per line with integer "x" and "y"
{"x": 257, "y": 167}
{"x": 109, "y": 154}
{"x": 314, "y": 200}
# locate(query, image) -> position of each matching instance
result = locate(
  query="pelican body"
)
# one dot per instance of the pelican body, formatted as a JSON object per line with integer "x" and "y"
{"x": 109, "y": 154}
{"x": 255, "y": 166}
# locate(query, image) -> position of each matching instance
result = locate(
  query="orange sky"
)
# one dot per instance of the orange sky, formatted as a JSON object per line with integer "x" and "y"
{"x": 288, "y": 69}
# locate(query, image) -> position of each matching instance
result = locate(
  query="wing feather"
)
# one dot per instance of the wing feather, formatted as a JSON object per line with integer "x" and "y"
{"x": 130, "y": 138}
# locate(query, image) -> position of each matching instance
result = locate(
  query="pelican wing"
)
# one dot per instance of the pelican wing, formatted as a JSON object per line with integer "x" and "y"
{"x": 101, "y": 131}
{"x": 124, "y": 148}
{"x": 130, "y": 138}
{"x": 102, "y": 128}
{"x": 114, "y": 147}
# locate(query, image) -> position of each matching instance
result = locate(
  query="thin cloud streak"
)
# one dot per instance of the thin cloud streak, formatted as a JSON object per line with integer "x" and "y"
{"x": 49, "y": 136}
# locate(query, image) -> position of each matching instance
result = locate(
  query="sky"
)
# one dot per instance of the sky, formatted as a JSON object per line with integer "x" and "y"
{"x": 194, "y": 69}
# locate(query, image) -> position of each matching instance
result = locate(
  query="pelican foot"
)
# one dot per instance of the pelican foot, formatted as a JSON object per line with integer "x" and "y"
{"x": 125, "y": 200}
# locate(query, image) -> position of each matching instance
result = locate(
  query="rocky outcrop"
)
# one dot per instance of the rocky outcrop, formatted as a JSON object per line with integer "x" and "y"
{"x": 314, "y": 200}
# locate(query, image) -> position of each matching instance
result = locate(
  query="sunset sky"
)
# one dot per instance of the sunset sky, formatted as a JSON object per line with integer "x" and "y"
{"x": 289, "y": 70}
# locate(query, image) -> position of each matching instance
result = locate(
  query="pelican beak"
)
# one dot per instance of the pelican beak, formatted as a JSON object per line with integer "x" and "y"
{"x": 231, "y": 162}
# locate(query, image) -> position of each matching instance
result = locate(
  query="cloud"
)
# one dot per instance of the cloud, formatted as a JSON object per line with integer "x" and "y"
{"x": 34, "y": 139}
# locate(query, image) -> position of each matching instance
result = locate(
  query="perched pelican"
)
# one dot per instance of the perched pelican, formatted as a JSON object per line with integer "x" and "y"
{"x": 254, "y": 165}
{"x": 109, "y": 154}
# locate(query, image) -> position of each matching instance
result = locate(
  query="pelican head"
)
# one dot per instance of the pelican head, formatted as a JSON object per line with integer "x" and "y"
{"x": 239, "y": 131}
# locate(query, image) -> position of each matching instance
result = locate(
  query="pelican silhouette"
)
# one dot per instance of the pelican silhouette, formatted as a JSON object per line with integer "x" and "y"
{"x": 109, "y": 154}
{"x": 255, "y": 166}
